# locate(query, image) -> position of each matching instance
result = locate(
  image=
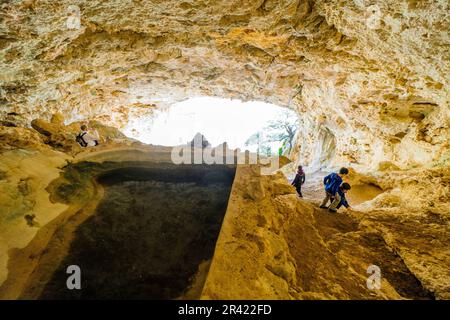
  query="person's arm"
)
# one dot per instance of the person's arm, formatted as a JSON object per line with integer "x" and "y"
{"x": 344, "y": 202}
{"x": 303, "y": 179}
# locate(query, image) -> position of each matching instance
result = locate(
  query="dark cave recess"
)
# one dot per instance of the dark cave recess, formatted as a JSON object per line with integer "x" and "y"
{"x": 156, "y": 223}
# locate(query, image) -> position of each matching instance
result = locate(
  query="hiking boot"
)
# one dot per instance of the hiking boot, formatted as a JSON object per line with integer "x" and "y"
{"x": 323, "y": 207}
{"x": 332, "y": 210}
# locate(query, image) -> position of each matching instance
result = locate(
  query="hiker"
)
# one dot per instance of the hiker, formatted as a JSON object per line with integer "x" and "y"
{"x": 85, "y": 139}
{"x": 340, "y": 200}
{"x": 332, "y": 183}
{"x": 299, "y": 180}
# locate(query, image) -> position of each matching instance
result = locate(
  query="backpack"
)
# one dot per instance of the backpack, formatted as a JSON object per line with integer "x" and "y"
{"x": 80, "y": 139}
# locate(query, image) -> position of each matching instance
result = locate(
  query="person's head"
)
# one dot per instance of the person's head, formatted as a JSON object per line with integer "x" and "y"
{"x": 83, "y": 127}
{"x": 345, "y": 187}
{"x": 343, "y": 171}
{"x": 300, "y": 168}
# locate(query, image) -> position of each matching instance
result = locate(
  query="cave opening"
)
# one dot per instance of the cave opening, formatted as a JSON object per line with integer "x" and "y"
{"x": 220, "y": 120}
{"x": 150, "y": 234}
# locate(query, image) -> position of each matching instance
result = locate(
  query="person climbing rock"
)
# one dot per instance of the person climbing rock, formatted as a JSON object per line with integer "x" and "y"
{"x": 299, "y": 180}
{"x": 340, "y": 200}
{"x": 332, "y": 183}
{"x": 85, "y": 139}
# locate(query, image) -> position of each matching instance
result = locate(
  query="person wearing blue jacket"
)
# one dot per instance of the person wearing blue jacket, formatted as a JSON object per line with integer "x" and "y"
{"x": 332, "y": 183}
{"x": 335, "y": 205}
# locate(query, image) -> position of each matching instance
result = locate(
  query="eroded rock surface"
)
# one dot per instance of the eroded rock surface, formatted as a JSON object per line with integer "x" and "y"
{"x": 369, "y": 80}
{"x": 271, "y": 244}
{"x": 275, "y": 246}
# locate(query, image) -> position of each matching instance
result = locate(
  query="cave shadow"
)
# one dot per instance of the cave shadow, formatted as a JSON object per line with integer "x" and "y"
{"x": 147, "y": 237}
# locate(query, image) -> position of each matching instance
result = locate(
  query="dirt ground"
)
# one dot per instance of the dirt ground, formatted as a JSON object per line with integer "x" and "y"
{"x": 347, "y": 240}
{"x": 313, "y": 190}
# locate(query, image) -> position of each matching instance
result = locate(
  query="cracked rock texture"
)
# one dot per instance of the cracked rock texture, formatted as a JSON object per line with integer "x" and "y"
{"x": 280, "y": 247}
{"x": 369, "y": 79}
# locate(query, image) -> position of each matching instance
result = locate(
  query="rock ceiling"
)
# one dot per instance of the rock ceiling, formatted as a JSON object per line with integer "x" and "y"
{"x": 369, "y": 79}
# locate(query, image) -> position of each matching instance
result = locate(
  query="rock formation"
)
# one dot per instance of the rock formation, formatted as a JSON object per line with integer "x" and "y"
{"x": 370, "y": 78}
{"x": 369, "y": 81}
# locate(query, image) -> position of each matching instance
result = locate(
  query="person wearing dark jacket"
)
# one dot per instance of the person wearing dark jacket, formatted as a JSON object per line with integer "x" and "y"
{"x": 336, "y": 203}
{"x": 332, "y": 183}
{"x": 299, "y": 180}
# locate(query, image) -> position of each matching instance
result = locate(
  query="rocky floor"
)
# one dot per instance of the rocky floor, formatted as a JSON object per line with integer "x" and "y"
{"x": 299, "y": 251}
{"x": 343, "y": 256}
{"x": 271, "y": 245}
{"x": 347, "y": 236}
{"x": 313, "y": 190}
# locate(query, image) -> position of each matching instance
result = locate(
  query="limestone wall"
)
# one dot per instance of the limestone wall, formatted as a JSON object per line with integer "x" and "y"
{"x": 373, "y": 74}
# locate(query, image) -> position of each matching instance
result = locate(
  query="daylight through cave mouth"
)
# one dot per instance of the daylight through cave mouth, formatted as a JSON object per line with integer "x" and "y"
{"x": 149, "y": 234}
{"x": 220, "y": 120}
